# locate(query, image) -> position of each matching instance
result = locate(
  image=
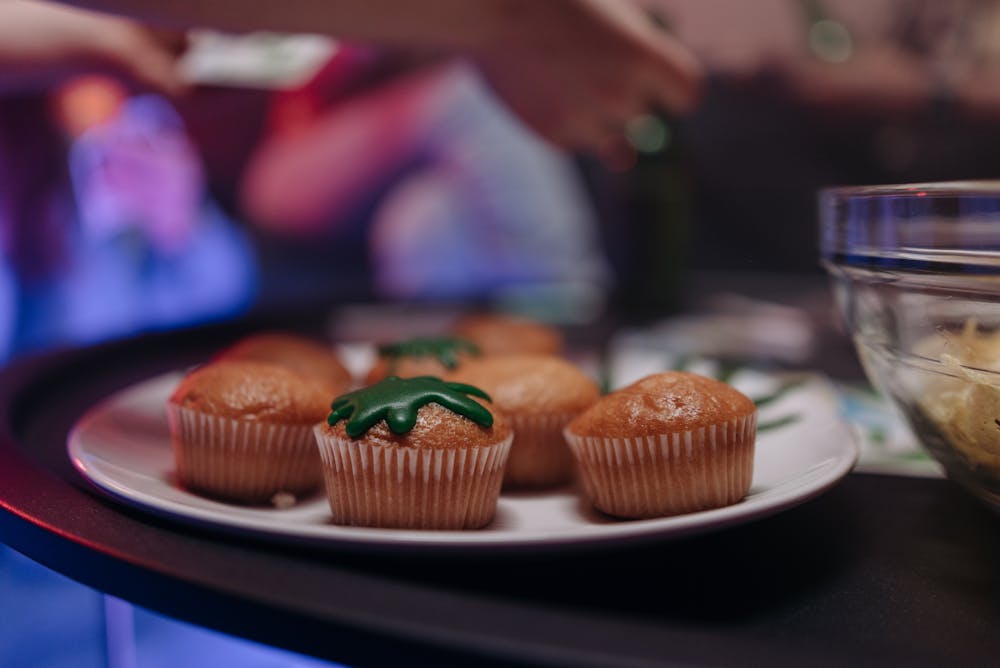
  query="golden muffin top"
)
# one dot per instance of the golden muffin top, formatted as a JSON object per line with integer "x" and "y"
{"x": 496, "y": 334}
{"x": 530, "y": 384}
{"x": 663, "y": 403}
{"x": 436, "y": 427}
{"x": 250, "y": 390}
{"x": 421, "y": 356}
{"x": 299, "y": 354}
{"x": 422, "y": 412}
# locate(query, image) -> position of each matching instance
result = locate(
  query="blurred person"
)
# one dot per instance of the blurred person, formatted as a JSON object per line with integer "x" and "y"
{"x": 462, "y": 200}
{"x": 573, "y": 70}
{"x": 85, "y": 249}
{"x": 605, "y": 59}
{"x": 533, "y": 233}
{"x": 420, "y": 164}
{"x": 41, "y": 45}
{"x": 151, "y": 248}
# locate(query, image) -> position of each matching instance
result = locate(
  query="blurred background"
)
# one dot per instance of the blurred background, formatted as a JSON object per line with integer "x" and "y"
{"x": 296, "y": 172}
{"x": 293, "y": 170}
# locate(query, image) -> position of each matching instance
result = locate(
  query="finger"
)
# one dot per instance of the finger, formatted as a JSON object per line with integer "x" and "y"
{"x": 674, "y": 76}
{"x": 616, "y": 153}
{"x": 584, "y": 132}
{"x": 602, "y": 138}
{"x": 174, "y": 41}
{"x": 158, "y": 72}
{"x": 149, "y": 62}
{"x": 567, "y": 138}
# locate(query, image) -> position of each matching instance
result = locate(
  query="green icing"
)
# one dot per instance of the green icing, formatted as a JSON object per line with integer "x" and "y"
{"x": 397, "y": 400}
{"x": 445, "y": 349}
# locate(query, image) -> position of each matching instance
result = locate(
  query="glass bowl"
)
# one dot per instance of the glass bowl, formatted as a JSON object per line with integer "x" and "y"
{"x": 916, "y": 275}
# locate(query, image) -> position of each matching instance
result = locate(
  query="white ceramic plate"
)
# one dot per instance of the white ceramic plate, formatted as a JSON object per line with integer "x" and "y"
{"x": 123, "y": 447}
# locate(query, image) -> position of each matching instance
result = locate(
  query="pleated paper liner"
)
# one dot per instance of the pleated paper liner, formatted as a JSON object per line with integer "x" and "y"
{"x": 242, "y": 460}
{"x": 539, "y": 456}
{"x": 668, "y": 474}
{"x": 411, "y": 488}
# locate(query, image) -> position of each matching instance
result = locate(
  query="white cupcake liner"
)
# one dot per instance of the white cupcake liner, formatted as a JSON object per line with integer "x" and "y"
{"x": 539, "y": 456}
{"x": 411, "y": 488}
{"x": 668, "y": 474}
{"x": 242, "y": 460}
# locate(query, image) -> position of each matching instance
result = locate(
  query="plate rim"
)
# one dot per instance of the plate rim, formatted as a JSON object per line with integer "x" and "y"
{"x": 818, "y": 479}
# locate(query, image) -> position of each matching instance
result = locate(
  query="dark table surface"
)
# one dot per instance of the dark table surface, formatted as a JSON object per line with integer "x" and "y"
{"x": 879, "y": 570}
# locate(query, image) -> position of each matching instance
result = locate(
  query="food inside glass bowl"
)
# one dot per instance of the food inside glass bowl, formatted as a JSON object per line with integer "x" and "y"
{"x": 964, "y": 402}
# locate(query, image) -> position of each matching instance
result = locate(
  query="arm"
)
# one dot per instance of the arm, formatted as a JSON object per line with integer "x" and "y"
{"x": 407, "y": 23}
{"x": 40, "y": 42}
{"x": 574, "y": 70}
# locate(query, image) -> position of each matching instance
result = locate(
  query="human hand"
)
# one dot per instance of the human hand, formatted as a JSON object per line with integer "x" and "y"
{"x": 577, "y": 71}
{"x": 42, "y": 43}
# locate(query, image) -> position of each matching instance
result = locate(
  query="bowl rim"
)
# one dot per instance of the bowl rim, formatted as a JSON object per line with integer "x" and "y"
{"x": 971, "y": 187}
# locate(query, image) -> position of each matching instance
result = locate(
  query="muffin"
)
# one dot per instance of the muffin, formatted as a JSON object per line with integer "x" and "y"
{"x": 496, "y": 334}
{"x": 670, "y": 443}
{"x": 243, "y": 431}
{"x": 422, "y": 356}
{"x": 302, "y": 355}
{"x": 539, "y": 395}
{"x": 413, "y": 453}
